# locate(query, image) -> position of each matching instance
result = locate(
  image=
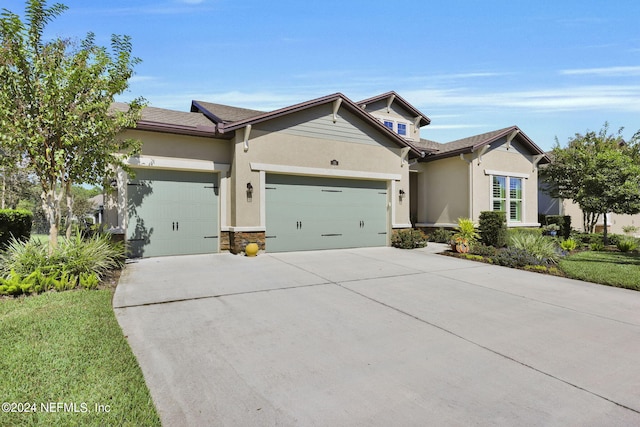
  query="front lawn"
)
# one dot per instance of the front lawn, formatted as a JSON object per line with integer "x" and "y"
{"x": 65, "y": 353}
{"x": 608, "y": 268}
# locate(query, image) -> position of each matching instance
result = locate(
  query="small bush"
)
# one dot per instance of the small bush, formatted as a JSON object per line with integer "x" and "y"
{"x": 408, "y": 239}
{"x": 493, "y": 228}
{"x": 14, "y": 224}
{"x": 541, "y": 247}
{"x": 568, "y": 245}
{"x": 627, "y": 245}
{"x": 597, "y": 246}
{"x": 441, "y": 235}
{"x": 516, "y": 257}
{"x": 483, "y": 250}
{"x": 562, "y": 221}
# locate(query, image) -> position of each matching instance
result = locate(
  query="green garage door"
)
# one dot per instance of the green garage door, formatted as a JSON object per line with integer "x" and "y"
{"x": 172, "y": 213}
{"x": 306, "y": 213}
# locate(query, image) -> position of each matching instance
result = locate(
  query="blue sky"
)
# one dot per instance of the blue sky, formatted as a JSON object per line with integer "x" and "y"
{"x": 553, "y": 68}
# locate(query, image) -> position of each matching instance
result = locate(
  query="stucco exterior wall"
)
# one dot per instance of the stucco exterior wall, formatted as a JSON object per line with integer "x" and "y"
{"x": 444, "y": 192}
{"x": 371, "y": 155}
{"x": 514, "y": 161}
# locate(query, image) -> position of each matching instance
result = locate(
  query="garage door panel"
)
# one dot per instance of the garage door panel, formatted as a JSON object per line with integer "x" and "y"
{"x": 322, "y": 213}
{"x": 171, "y": 213}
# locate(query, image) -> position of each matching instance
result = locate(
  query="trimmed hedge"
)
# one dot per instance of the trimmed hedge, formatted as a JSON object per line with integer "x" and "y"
{"x": 493, "y": 228}
{"x": 14, "y": 223}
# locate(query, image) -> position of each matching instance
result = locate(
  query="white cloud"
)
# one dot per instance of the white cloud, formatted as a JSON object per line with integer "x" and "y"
{"x": 604, "y": 72}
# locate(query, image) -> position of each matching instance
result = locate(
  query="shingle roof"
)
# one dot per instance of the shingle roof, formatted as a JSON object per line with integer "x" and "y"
{"x": 163, "y": 120}
{"x": 221, "y": 113}
{"x": 472, "y": 143}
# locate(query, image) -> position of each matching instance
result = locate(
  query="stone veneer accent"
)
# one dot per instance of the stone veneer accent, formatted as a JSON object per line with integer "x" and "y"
{"x": 224, "y": 241}
{"x": 239, "y": 240}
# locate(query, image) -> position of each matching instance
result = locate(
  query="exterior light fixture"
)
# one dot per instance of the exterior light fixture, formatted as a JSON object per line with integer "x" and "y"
{"x": 113, "y": 183}
{"x": 401, "y": 193}
{"x": 249, "y": 188}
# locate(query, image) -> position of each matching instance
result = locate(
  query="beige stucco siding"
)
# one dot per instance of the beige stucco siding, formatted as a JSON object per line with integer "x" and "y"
{"x": 514, "y": 161}
{"x": 444, "y": 191}
{"x": 295, "y": 146}
{"x": 182, "y": 146}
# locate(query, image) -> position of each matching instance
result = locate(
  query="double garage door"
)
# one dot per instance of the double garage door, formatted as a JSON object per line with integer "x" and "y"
{"x": 306, "y": 213}
{"x": 172, "y": 213}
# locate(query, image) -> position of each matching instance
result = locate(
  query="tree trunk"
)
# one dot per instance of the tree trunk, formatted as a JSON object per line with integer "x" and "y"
{"x": 4, "y": 187}
{"x": 69, "y": 198}
{"x": 51, "y": 208}
{"x": 605, "y": 237}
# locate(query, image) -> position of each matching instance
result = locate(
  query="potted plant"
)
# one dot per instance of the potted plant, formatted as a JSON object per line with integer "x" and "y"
{"x": 465, "y": 235}
{"x": 551, "y": 229}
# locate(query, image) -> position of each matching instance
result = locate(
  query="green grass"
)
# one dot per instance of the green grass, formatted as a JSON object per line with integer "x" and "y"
{"x": 68, "y": 347}
{"x": 42, "y": 238}
{"x": 608, "y": 268}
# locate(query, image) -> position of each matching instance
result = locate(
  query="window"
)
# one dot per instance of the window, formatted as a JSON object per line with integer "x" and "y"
{"x": 388, "y": 124}
{"x": 402, "y": 129}
{"x": 510, "y": 201}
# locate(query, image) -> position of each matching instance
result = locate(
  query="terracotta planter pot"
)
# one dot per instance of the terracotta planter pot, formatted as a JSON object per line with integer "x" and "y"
{"x": 462, "y": 247}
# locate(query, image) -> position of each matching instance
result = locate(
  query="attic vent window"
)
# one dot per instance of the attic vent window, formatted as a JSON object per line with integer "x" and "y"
{"x": 334, "y": 162}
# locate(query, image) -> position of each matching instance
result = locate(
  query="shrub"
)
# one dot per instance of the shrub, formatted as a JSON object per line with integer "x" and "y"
{"x": 627, "y": 245}
{"x": 562, "y": 221}
{"x": 493, "y": 228}
{"x": 515, "y": 257}
{"x": 14, "y": 224}
{"x": 597, "y": 246}
{"x": 29, "y": 268}
{"x": 542, "y": 248}
{"x": 483, "y": 250}
{"x": 408, "y": 239}
{"x": 568, "y": 245}
{"x": 441, "y": 235}
{"x": 630, "y": 229}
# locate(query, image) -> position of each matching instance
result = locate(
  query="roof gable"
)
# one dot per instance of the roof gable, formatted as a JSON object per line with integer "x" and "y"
{"x": 393, "y": 98}
{"x": 473, "y": 143}
{"x": 339, "y": 100}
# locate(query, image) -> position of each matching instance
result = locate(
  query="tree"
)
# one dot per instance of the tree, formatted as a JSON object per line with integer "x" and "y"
{"x": 55, "y": 106}
{"x": 600, "y": 172}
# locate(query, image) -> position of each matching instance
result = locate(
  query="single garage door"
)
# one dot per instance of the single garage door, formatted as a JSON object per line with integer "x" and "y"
{"x": 172, "y": 213}
{"x": 306, "y": 213}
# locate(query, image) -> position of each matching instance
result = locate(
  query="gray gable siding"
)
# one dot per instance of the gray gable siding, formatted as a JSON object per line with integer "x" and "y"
{"x": 516, "y": 147}
{"x": 379, "y": 108}
{"x": 318, "y": 123}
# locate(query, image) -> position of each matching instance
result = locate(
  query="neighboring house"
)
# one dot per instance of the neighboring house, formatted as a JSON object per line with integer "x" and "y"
{"x": 326, "y": 173}
{"x": 615, "y": 222}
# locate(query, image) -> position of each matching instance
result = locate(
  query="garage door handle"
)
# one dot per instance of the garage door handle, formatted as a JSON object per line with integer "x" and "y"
{"x": 173, "y": 226}
{"x": 177, "y": 225}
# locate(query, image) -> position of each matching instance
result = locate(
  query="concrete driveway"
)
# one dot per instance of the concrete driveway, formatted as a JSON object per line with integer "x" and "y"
{"x": 378, "y": 337}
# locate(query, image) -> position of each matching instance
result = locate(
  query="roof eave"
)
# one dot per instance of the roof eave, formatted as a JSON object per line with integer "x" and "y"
{"x": 206, "y": 131}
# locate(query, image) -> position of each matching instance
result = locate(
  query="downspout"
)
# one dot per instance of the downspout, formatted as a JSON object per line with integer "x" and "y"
{"x": 470, "y": 163}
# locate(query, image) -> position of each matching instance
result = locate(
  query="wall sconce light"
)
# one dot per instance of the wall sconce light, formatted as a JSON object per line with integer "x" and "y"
{"x": 401, "y": 193}
{"x": 113, "y": 183}
{"x": 249, "y": 188}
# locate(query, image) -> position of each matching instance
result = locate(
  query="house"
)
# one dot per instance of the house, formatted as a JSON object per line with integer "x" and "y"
{"x": 325, "y": 173}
